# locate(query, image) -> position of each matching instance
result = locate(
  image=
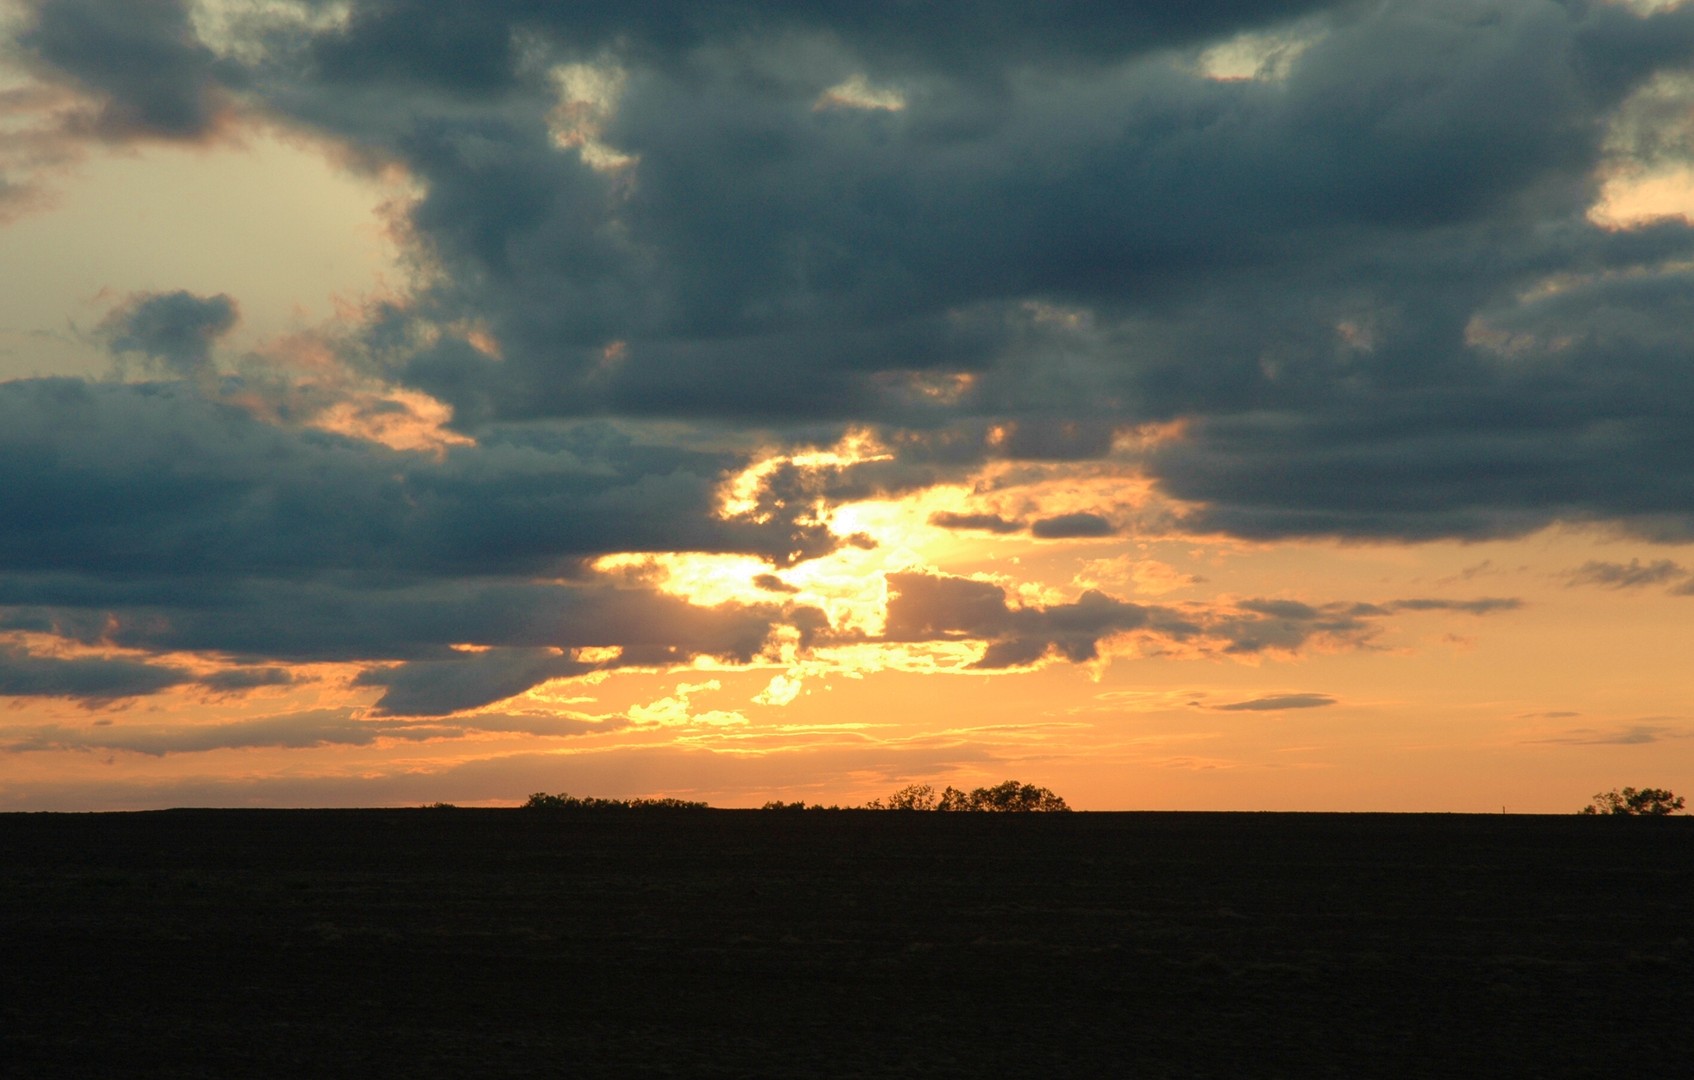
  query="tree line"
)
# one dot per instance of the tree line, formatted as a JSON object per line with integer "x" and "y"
{"x": 1007, "y": 797}
{"x": 1011, "y": 796}
{"x": 562, "y": 801}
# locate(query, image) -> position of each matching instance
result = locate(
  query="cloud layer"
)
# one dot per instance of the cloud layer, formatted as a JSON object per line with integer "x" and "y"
{"x": 928, "y": 607}
{"x": 1341, "y": 256}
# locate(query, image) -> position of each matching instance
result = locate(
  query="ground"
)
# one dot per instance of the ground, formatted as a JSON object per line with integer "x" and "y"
{"x": 446, "y": 943}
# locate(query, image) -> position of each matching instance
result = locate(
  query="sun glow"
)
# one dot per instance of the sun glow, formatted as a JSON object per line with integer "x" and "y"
{"x": 398, "y": 419}
{"x": 588, "y": 97}
{"x": 856, "y": 92}
{"x": 1629, "y": 199}
{"x": 743, "y": 495}
{"x": 1256, "y": 56}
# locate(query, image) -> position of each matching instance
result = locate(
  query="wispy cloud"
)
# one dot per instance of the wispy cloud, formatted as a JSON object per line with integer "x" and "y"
{"x": 1631, "y": 575}
{"x": 297, "y": 730}
{"x": 1278, "y": 703}
{"x": 938, "y": 607}
{"x": 1629, "y": 735}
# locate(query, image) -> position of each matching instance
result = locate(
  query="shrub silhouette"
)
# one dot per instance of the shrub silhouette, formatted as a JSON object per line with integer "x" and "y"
{"x": 1647, "y": 802}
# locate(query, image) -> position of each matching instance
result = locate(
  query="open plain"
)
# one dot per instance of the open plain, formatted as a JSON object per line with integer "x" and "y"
{"x": 457, "y": 942}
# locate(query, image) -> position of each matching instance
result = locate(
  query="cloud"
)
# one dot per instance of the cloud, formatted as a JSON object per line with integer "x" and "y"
{"x": 1071, "y": 526}
{"x": 141, "y": 59}
{"x": 1486, "y": 605}
{"x": 100, "y": 680}
{"x": 1258, "y": 626}
{"x": 527, "y": 630}
{"x": 1324, "y": 328}
{"x": 1633, "y": 575}
{"x": 140, "y": 479}
{"x": 547, "y": 724}
{"x": 936, "y": 607}
{"x": 1359, "y": 296}
{"x": 772, "y": 583}
{"x": 1631, "y": 735}
{"x": 294, "y": 730}
{"x": 174, "y": 330}
{"x": 151, "y": 517}
{"x": 297, "y": 730}
{"x": 1332, "y": 278}
{"x": 91, "y": 679}
{"x": 234, "y": 680}
{"x": 438, "y": 687}
{"x": 1277, "y": 703}
{"x": 994, "y": 523}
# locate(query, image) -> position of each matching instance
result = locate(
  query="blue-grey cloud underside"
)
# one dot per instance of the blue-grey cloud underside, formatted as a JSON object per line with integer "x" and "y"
{"x": 1296, "y": 266}
{"x": 1337, "y": 280}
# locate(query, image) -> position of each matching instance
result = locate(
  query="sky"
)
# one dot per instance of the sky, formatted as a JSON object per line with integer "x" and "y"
{"x": 1264, "y": 405}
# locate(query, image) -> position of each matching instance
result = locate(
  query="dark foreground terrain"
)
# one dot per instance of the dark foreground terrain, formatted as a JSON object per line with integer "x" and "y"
{"x": 449, "y": 943}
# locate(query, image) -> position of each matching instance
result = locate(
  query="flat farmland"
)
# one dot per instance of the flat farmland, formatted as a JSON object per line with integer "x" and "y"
{"x": 448, "y": 943}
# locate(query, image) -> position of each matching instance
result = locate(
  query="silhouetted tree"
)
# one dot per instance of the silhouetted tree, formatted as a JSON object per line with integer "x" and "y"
{"x": 1009, "y": 796}
{"x": 543, "y": 801}
{"x": 1013, "y": 797}
{"x": 954, "y": 799}
{"x": 910, "y": 797}
{"x": 1647, "y": 802}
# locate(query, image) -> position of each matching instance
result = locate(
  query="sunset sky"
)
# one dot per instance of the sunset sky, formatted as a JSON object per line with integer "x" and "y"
{"x": 1263, "y": 405}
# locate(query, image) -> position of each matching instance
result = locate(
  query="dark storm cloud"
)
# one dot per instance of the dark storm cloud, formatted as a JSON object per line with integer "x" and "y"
{"x": 147, "y": 516}
{"x": 142, "y": 59}
{"x": 92, "y": 679}
{"x": 175, "y": 330}
{"x": 1278, "y": 702}
{"x": 1293, "y": 266}
{"x": 1366, "y": 293}
{"x": 1335, "y": 277}
{"x": 154, "y": 479}
{"x": 525, "y": 630}
{"x": 445, "y": 44}
{"x": 349, "y": 619}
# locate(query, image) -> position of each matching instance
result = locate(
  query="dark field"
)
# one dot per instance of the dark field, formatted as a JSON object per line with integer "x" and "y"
{"x": 438, "y": 943}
